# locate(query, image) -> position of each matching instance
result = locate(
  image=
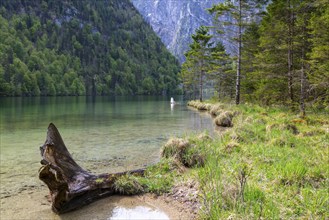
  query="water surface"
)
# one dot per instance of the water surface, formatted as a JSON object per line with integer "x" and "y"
{"x": 104, "y": 134}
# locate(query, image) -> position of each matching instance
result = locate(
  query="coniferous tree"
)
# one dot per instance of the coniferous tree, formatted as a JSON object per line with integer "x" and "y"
{"x": 319, "y": 54}
{"x": 250, "y": 49}
{"x": 221, "y": 71}
{"x": 198, "y": 58}
{"x": 281, "y": 63}
{"x": 240, "y": 14}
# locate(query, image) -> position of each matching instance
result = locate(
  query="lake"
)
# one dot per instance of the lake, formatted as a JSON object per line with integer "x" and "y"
{"x": 103, "y": 134}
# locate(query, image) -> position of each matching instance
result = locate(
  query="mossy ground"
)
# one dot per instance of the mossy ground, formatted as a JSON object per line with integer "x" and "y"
{"x": 270, "y": 165}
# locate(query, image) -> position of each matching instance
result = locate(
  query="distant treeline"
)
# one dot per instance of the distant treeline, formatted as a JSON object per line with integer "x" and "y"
{"x": 79, "y": 47}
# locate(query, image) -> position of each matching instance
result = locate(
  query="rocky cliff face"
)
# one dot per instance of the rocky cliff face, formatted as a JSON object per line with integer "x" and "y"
{"x": 176, "y": 20}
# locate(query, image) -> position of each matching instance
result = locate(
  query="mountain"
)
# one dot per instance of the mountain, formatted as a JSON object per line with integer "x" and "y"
{"x": 77, "y": 47}
{"x": 176, "y": 20}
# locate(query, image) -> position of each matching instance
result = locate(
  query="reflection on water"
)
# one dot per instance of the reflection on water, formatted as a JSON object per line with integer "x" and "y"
{"x": 139, "y": 212}
{"x": 104, "y": 134}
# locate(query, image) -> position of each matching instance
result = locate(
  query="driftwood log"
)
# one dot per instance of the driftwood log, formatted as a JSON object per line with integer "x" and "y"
{"x": 72, "y": 187}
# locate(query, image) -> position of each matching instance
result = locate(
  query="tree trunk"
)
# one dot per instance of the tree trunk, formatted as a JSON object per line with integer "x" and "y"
{"x": 290, "y": 51}
{"x": 238, "y": 72}
{"x": 71, "y": 187}
{"x": 302, "y": 73}
{"x": 302, "y": 87}
{"x": 201, "y": 81}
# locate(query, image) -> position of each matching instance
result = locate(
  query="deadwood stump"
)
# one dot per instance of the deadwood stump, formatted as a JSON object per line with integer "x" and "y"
{"x": 71, "y": 187}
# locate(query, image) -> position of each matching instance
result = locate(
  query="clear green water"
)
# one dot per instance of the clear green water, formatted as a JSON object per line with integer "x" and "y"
{"x": 103, "y": 135}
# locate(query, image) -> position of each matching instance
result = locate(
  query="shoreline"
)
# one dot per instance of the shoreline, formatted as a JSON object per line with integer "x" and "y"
{"x": 33, "y": 204}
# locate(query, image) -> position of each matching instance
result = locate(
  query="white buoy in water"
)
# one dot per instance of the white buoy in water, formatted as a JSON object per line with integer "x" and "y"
{"x": 172, "y": 101}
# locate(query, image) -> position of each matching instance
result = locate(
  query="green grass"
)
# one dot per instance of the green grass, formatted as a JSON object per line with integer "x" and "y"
{"x": 270, "y": 165}
{"x": 157, "y": 179}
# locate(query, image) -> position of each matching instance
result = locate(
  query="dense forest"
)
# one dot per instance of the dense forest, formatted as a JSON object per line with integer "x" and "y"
{"x": 282, "y": 53}
{"x": 80, "y": 47}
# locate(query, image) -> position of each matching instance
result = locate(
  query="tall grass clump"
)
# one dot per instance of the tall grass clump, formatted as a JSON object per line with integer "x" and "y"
{"x": 185, "y": 151}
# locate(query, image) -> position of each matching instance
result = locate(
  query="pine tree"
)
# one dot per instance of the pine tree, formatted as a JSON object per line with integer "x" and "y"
{"x": 221, "y": 71}
{"x": 198, "y": 58}
{"x": 240, "y": 14}
{"x": 319, "y": 55}
{"x": 303, "y": 48}
{"x": 250, "y": 49}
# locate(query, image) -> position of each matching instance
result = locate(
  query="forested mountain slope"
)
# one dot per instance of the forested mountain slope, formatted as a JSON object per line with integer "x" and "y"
{"x": 77, "y": 47}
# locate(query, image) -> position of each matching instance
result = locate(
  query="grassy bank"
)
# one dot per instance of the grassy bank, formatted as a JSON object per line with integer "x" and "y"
{"x": 268, "y": 164}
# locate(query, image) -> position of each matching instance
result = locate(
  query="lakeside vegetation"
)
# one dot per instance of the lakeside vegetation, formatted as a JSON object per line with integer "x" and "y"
{"x": 271, "y": 164}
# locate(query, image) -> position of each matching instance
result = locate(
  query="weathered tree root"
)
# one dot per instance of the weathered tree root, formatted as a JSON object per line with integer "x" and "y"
{"x": 72, "y": 187}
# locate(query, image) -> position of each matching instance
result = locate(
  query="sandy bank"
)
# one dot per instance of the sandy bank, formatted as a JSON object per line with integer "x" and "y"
{"x": 33, "y": 204}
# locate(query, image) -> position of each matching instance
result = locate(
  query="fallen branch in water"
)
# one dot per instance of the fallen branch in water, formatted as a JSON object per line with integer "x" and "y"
{"x": 72, "y": 187}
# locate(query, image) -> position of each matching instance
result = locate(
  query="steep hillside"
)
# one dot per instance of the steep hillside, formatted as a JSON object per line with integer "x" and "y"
{"x": 77, "y": 47}
{"x": 176, "y": 21}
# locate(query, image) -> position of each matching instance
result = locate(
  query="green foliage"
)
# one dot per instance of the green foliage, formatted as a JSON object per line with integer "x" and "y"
{"x": 231, "y": 18}
{"x": 197, "y": 64}
{"x": 206, "y": 61}
{"x": 319, "y": 75}
{"x": 52, "y": 48}
{"x": 284, "y": 57}
{"x": 284, "y": 54}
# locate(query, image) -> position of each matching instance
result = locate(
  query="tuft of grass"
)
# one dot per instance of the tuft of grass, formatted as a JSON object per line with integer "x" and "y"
{"x": 232, "y": 146}
{"x": 128, "y": 185}
{"x": 99, "y": 181}
{"x": 216, "y": 109}
{"x": 175, "y": 147}
{"x": 224, "y": 119}
{"x": 187, "y": 153}
{"x": 293, "y": 172}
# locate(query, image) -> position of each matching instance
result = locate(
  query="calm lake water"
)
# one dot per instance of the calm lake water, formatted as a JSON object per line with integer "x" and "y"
{"x": 104, "y": 134}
